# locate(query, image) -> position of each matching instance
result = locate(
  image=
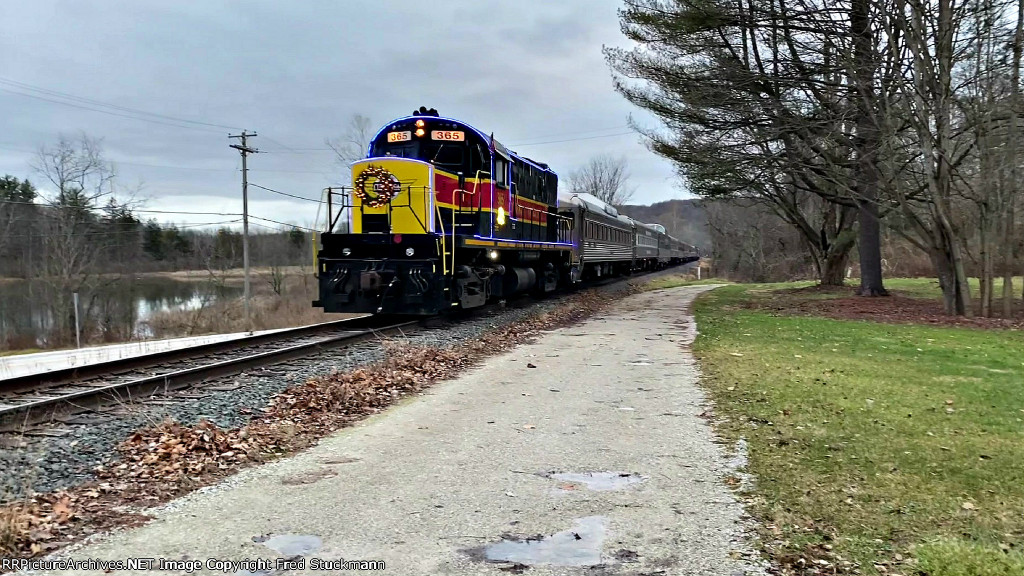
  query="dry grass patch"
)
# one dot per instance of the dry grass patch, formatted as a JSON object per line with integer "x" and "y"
{"x": 270, "y": 310}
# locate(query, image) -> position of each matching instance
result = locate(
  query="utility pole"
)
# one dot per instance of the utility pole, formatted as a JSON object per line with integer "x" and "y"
{"x": 245, "y": 150}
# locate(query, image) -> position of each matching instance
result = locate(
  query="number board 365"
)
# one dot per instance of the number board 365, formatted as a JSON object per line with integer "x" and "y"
{"x": 450, "y": 135}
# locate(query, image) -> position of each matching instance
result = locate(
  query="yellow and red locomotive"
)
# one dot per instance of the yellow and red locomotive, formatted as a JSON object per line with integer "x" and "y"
{"x": 441, "y": 215}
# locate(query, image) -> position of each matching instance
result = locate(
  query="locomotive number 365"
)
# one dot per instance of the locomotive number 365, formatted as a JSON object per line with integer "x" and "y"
{"x": 453, "y": 135}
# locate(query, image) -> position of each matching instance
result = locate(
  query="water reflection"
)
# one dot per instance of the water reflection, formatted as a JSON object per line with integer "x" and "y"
{"x": 33, "y": 314}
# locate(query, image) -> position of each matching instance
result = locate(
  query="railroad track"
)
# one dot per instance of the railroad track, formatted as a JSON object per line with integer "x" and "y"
{"x": 42, "y": 397}
{"x": 39, "y": 398}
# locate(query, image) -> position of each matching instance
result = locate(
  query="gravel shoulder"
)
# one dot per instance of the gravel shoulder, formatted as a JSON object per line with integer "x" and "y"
{"x": 583, "y": 452}
{"x": 65, "y": 456}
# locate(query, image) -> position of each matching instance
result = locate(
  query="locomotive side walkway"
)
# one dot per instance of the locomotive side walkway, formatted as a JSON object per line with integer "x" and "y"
{"x": 590, "y": 437}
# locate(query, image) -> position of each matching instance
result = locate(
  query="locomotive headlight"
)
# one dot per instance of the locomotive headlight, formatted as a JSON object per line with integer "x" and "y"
{"x": 420, "y": 131}
{"x": 420, "y": 123}
{"x": 409, "y": 251}
{"x": 346, "y": 251}
{"x": 493, "y": 254}
{"x": 501, "y": 215}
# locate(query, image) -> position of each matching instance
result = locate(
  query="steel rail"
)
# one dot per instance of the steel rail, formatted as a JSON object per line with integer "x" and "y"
{"x": 96, "y": 396}
{"x": 68, "y": 375}
{"x": 163, "y": 383}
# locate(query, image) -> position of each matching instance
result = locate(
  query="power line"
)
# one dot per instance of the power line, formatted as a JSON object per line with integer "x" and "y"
{"x": 82, "y": 100}
{"x": 300, "y": 150}
{"x": 285, "y": 193}
{"x": 291, "y": 150}
{"x": 574, "y": 134}
{"x": 285, "y": 146}
{"x": 321, "y": 172}
{"x": 140, "y": 225}
{"x": 571, "y": 140}
{"x": 103, "y": 111}
{"x": 282, "y": 223}
{"x": 59, "y": 206}
{"x": 268, "y": 227}
{"x": 187, "y": 213}
{"x": 190, "y": 168}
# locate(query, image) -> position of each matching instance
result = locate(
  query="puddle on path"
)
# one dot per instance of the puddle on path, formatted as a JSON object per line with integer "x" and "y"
{"x": 600, "y": 480}
{"x": 291, "y": 544}
{"x": 580, "y": 546}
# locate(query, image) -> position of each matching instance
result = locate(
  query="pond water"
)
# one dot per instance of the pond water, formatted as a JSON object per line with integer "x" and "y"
{"x": 34, "y": 315}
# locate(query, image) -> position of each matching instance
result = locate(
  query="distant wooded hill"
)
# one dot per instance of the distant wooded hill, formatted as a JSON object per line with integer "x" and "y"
{"x": 684, "y": 219}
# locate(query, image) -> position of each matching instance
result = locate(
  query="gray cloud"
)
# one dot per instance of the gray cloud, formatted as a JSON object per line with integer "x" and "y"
{"x": 531, "y": 72}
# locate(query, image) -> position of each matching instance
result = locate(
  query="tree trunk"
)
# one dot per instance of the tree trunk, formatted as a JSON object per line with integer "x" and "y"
{"x": 870, "y": 246}
{"x": 944, "y": 272}
{"x": 949, "y": 261}
{"x": 833, "y": 273}
{"x": 1008, "y": 239}
{"x": 866, "y": 172}
{"x": 1008, "y": 234}
{"x": 944, "y": 56}
{"x": 985, "y": 280}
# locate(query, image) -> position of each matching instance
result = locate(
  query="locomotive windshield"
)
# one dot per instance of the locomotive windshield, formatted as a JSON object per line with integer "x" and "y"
{"x": 406, "y": 150}
{"x": 446, "y": 145}
{"x": 445, "y": 154}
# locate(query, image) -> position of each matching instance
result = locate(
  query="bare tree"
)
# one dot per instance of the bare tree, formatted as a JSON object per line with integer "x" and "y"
{"x": 1014, "y": 152}
{"x": 81, "y": 180}
{"x": 930, "y": 29}
{"x": 351, "y": 145}
{"x": 750, "y": 242}
{"x": 605, "y": 177}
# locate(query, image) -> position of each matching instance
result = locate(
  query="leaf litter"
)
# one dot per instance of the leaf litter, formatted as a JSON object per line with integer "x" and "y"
{"x": 159, "y": 463}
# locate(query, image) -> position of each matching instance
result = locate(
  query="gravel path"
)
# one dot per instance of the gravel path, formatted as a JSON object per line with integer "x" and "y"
{"x": 45, "y": 463}
{"x": 582, "y": 452}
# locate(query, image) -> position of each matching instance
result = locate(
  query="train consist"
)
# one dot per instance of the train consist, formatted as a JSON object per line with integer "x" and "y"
{"x": 440, "y": 215}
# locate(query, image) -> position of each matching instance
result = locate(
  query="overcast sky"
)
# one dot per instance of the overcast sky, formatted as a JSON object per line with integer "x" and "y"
{"x": 295, "y": 72}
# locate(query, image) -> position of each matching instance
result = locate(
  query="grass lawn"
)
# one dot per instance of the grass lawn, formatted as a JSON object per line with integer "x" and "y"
{"x": 681, "y": 280}
{"x": 929, "y": 287}
{"x": 895, "y": 449}
{"x": 19, "y": 352}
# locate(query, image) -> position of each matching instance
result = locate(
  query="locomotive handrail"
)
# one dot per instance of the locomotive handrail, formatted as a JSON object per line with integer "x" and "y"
{"x": 522, "y": 207}
{"x": 444, "y": 245}
{"x": 476, "y": 184}
{"x": 332, "y": 220}
{"x": 342, "y": 191}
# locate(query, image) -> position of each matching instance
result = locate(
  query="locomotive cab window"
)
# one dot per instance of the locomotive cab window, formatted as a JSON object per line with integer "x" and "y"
{"x": 501, "y": 172}
{"x": 479, "y": 160}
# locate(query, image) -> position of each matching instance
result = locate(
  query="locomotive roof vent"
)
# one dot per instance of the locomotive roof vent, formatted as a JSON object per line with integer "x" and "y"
{"x": 424, "y": 112}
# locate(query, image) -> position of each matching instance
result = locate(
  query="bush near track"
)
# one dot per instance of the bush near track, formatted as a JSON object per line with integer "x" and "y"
{"x": 170, "y": 459}
{"x": 876, "y": 448}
